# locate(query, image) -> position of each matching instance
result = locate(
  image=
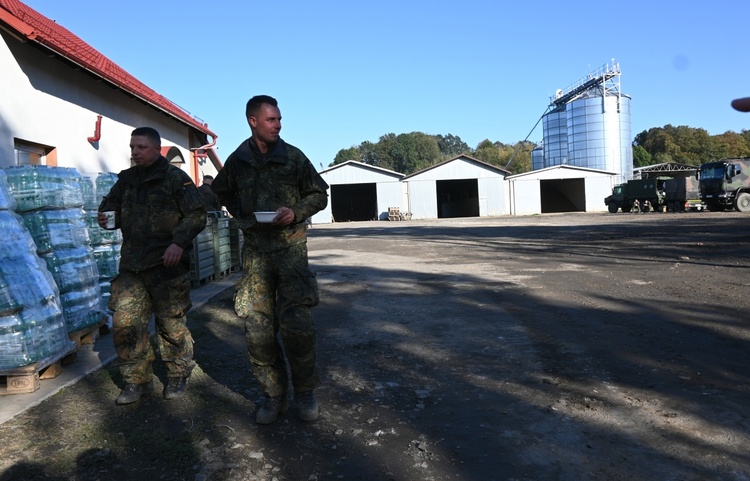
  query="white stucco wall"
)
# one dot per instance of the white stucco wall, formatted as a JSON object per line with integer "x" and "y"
{"x": 53, "y": 105}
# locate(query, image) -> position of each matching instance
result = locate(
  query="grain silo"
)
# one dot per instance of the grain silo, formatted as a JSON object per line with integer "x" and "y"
{"x": 588, "y": 125}
{"x": 537, "y": 157}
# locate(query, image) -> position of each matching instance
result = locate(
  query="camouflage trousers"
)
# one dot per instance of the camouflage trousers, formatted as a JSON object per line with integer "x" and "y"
{"x": 274, "y": 298}
{"x": 134, "y": 298}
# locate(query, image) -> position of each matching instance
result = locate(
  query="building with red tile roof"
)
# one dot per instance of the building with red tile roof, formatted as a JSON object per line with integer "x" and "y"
{"x": 72, "y": 106}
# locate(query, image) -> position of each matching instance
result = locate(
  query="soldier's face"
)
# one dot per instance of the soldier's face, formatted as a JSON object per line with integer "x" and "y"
{"x": 142, "y": 151}
{"x": 266, "y": 124}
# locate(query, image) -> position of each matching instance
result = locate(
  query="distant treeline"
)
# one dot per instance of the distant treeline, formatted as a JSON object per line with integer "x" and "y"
{"x": 687, "y": 145}
{"x": 412, "y": 152}
{"x": 409, "y": 153}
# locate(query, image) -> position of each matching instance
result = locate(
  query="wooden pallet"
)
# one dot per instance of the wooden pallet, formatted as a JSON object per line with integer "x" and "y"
{"x": 223, "y": 274}
{"x": 87, "y": 335}
{"x": 25, "y": 379}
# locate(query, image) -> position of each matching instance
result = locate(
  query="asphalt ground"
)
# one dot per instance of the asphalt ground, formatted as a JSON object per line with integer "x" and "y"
{"x": 92, "y": 357}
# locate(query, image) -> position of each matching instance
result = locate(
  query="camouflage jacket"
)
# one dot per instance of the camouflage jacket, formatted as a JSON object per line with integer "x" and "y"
{"x": 283, "y": 177}
{"x": 210, "y": 201}
{"x": 154, "y": 208}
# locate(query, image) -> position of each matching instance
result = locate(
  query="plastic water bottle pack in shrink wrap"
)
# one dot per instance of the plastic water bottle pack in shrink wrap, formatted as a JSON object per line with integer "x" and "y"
{"x": 58, "y": 228}
{"x": 7, "y": 201}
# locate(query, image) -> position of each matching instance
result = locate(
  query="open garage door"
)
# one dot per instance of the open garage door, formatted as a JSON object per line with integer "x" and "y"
{"x": 457, "y": 198}
{"x": 354, "y": 202}
{"x": 563, "y": 195}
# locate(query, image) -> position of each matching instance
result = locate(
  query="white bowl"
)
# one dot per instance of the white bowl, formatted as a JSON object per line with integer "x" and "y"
{"x": 265, "y": 217}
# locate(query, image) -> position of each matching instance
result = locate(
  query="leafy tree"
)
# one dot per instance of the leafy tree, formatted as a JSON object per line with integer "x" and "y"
{"x": 659, "y": 142}
{"x": 384, "y": 152}
{"x": 343, "y": 155}
{"x": 410, "y": 152}
{"x": 367, "y": 153}
{"x": 745, "y": 134}
{"x": 731, "y": 144}
{"x": 521, "y": 157}
{"x": 489, "y": 152}
{"x": 415, "y": 151}
{"x": 687, "y": 145}
{"x": 451, "y": 146}
{"x": 641, "y": 157}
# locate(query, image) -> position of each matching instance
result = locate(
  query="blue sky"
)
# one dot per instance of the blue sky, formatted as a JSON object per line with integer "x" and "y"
{"x": 345, "y": 72}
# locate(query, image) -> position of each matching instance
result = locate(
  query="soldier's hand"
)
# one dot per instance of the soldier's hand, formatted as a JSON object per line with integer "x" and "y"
{"x": 101, "y": 218}
{"x": 172, "y": 255}
{"x": 284, "y": 216}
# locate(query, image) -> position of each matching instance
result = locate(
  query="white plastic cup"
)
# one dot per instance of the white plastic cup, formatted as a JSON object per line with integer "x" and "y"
{"x": 110, "y": 219}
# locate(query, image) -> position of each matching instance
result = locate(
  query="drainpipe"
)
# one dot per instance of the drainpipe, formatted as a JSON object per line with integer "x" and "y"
{"x": 97, "y": 130}
{"x": 196, "y": 155}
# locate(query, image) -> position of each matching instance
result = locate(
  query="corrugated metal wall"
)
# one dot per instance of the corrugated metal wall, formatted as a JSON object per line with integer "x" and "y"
{"x": 390, "y": 194}
{"x": 525, "y": 193}
{"x": 492, "y": 197}
{"x": 525, "y": 196}
{"x": 422, "y": 188}
{"x": 324, "y": 216}
{"x": 389, "y": 188}
{"x": 517, "y": 195}
{"x": 423, "y": 199}
{"x": 357, "y": 174}
{"x": 597, "y": 188}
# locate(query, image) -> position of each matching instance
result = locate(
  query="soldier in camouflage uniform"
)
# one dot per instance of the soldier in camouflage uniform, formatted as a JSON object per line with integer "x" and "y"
{"x": 210, "y": 201}
{"x": 159, "y": 211}
{"x": 277, "y": 288}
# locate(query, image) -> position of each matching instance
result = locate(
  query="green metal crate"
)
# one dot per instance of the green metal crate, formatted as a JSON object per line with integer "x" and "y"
{"x": 202, "y": 266}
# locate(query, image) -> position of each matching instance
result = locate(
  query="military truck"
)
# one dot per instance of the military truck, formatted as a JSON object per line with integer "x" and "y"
{"x": 637, "y": 194}
{"x": 725, "y": 184}
{"x": 682, "y": 193}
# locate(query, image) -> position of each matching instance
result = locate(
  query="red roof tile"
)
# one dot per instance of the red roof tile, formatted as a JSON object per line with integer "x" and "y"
{"x": 38, "y": 28}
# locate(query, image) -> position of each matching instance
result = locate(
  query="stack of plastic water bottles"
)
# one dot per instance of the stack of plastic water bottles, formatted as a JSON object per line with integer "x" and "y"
{"x": 106, "y": 243}
{"x": 50, "y": 201}
{"x": 32, "y": 325}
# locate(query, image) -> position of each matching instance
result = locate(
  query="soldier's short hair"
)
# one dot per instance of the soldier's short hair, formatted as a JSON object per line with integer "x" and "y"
{"x": 150, "y": 133}
{"x": 253, "y": 105}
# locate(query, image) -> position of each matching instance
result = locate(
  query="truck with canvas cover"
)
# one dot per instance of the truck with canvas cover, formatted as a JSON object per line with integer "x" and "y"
{"x": 637, "y": 194}
{"x": 682, "y": 193}
{"x": 725, "y": 184}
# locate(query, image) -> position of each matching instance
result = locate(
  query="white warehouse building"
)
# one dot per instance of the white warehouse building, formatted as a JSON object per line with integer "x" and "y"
{"x": 563, "y": 188}
{"x": 459, "y": 187}
{"x": 358, "y": 191}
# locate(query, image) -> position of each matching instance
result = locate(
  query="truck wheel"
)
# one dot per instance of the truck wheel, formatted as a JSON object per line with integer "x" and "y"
{"x": 742, "y": 202}
{"x": 627, "y": 208}
{"x": 612, "y": 208}
{"x": 714, "y": 206}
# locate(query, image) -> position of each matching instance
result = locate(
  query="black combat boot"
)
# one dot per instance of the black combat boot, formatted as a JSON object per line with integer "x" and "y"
{"x": 175, "y": 387}
{"x": 269, "y": 413}
{"x": 133, "y": 392}
{"x": 308, "y": 406}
